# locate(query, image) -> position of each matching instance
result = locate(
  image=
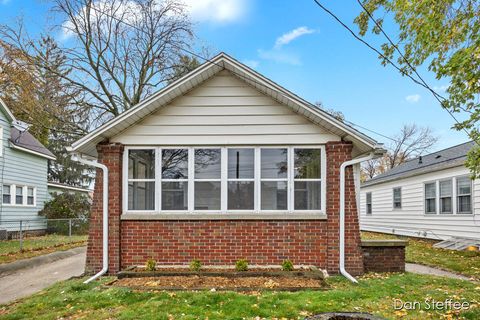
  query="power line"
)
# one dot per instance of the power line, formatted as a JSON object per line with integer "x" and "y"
{"x": 423, "y": 83}
{"x": 434, "y": 93}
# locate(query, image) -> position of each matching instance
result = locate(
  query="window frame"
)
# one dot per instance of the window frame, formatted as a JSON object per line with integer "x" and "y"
{"x": 224, "y": 180}
{"x": 435, "y": 183}
{"x": 368, "y": 203}
{"x": 13, "y": 195}
{"x": 457, "y": 195}
{"x": 440, "y": 211}
{"x": 393, "y": 198}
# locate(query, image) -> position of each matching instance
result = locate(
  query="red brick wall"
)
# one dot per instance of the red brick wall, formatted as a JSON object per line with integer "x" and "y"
{"x": 384, "y": 259}
{"x": 337, "y": 153}
{"x": 225, "y": 241}
{"x": 111, "y": 156}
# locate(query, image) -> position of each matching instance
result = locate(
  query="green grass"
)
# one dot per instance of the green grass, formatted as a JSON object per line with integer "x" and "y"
{"x": 34, "y": 246}
{"x": 374, "y": 294}
{"x": 422, "y": 252}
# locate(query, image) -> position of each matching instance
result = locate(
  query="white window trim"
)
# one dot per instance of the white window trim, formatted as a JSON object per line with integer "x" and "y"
{"x": 393, "y": 198}
{"x": 437, "y": 187}
{"x": 224, "y": 183}
{"x": 13, "y": 195}
{"x": 457, "y": 195}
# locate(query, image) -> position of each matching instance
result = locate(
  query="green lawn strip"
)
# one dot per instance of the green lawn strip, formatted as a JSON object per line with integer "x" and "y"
{"x": 35, "y": 246}
{"x": 422, "y": 252}
{"x": 374, "y": 294}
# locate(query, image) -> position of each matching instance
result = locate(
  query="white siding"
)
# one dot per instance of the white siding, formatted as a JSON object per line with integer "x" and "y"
{"x": 410, "y": 219}
{"x": 224, "y": 111}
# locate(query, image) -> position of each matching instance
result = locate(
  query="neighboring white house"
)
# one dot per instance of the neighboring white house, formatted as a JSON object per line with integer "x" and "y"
{"x": 430, "y": 196}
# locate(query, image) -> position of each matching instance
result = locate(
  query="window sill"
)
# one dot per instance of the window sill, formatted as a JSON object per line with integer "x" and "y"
{"x": 219, "y": 216}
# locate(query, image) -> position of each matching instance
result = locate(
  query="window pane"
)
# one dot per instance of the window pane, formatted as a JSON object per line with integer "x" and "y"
{"x": 241, "y": 163}
{"x": 274, "y": 163}
{"x": 174, "y": 195}
{"x": 30, "y": 200}
{"x": 274, "y": 195}
{"x": 207, "y": 163}
{"x": 464, "y": 204}
{"x": 6, "y": 194}
{"x": 446, "y": 205}
{"x": 430, "y": 206}
{"x": 19, "y": 195}
{"x": 446, "y": 188}
{"x": 464, "y": 185}
{"x": 141, "y": 164}
{"x": 30, "y": 192}
{"x": 430, "y": 191}
{"x": 207, "y": 195}
{"x": 141, "y": 195}
{"x": 369, "y": 197}
{"x": 240, "y": 195}
{"x": 307, "y": 195}
{"x": 307, "y": 163}
{"x": 175, "y": 163}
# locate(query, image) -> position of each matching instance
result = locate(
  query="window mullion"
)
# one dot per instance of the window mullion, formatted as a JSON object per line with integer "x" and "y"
{"x": 290, "y": 184}
{"x": 223, "y": 180}
{"x": 256, "y": 185}
{"x": 158, "y": 179}
{"x": 191, "y": 189}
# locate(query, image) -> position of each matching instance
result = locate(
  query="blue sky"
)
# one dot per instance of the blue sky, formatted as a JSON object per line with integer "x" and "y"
{"x": 297, "y": 45}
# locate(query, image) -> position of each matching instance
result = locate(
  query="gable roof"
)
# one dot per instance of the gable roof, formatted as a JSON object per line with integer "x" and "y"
{"x": 24, "y": 140}
{"x": 443, "y": 159}
{"x": 87, "y": 144}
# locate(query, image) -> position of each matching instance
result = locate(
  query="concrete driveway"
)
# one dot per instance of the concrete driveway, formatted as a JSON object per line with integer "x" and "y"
{"x": 25, "y": 282}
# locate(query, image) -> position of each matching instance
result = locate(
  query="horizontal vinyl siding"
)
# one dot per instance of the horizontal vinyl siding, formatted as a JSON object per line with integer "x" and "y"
{"x": 410, "y": 219}
{"x": 224, "y": 111}
{"x": 21, "y": 168}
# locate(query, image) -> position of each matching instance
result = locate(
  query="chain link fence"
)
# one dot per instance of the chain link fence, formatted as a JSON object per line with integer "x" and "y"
{"x": 27, "y": 232}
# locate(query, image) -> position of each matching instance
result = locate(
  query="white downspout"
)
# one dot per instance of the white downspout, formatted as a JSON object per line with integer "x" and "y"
{"x": 104, "y": 168}
{"x": 342, "y": 208}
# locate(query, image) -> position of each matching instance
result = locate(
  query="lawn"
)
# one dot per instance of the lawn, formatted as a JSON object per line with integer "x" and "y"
{"x": 422, "y": 252}
{"x": 35, "y": 246}
{"x": 375, "y": 294}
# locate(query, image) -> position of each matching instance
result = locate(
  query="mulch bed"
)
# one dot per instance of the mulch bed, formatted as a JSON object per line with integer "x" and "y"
{"x": 221, "y": 279}
{"x": 214, "y": 283}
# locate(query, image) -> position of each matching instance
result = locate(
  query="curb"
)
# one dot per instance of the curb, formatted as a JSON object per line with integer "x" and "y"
{"x": 9, "y": 268}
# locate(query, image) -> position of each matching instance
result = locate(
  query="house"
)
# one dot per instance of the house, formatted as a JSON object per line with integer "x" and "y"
{"x": 23, "y": 175}
{"x": 59, "y": 188}
{"x": 220, "y": 165}
{"x": 431, "y": 196}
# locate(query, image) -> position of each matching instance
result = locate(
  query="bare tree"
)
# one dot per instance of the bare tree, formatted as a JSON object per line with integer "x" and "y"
{"x": 411, "y": 142}
{"x": 119, "y": 51}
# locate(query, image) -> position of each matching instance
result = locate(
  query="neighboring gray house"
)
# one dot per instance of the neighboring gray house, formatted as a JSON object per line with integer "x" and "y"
{"x": 59, "y": 188}
{"x": 23, "y": 174}
{"x": 431, "y": 196}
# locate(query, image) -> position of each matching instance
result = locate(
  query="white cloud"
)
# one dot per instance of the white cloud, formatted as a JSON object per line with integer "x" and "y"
{"x": 252, "y": 63}
{"x": 413, "y": 98}
{"x": 442, "y": 88}
{"x": 4, "y": 1}
{"x": 222, "y": 11}
{"x": 279, "y": 56}
{"x": 288, "y": 37}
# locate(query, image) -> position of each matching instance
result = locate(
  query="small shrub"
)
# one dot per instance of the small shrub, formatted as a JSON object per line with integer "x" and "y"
{"x": 241, "y": 265}
{"x": 195, "y": 265}
{"x": 287, "y": 265}
{"x": 150, "y": 265}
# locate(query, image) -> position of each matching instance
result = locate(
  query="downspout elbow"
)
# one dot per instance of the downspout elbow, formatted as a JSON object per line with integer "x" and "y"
{"x": 104, "y": 169}
{"x": 343, "y": 168}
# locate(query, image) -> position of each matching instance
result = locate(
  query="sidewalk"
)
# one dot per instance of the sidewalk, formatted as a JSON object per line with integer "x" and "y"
{"x": 40, "y": 273}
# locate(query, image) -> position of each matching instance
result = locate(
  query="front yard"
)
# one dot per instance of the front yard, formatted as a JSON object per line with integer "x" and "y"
{"x": 422, "y": 252}
{"x": 374, "y": 294}
{"x": 36, "y": 246}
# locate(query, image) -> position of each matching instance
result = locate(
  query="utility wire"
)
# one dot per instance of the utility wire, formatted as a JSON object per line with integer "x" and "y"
{"x": 434, "y": 93}
{"x": 421, "y": 82}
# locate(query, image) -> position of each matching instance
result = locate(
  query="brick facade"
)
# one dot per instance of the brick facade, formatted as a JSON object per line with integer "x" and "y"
{"x": 384, "y": 256}
{"x": 312, "y": 242}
